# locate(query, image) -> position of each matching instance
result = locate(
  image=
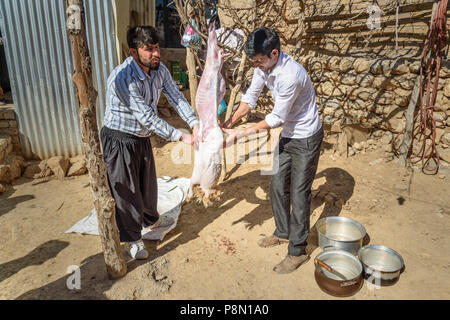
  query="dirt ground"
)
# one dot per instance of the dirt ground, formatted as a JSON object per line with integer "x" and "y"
{"x": 213, "y": 252}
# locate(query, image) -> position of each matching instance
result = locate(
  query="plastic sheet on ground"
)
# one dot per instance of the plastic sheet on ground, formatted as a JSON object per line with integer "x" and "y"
{"x": 171, "y": 194}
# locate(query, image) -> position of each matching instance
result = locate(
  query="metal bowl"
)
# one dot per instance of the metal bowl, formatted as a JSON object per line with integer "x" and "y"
{"x": 346, "y": 264}
{"x": 382, "y": 265}
{"x": 340, "y": 233}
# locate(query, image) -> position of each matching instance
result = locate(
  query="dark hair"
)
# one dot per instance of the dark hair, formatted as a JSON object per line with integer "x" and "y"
{"x": 261, "y": 41}
{"x": 142, "y": 35}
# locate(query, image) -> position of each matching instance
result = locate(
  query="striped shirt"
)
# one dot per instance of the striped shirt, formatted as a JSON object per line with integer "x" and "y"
{"x": 132, "y": 97}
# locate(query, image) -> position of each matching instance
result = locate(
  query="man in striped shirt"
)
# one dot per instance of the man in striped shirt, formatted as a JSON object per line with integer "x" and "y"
{"x": 131, "y": 115}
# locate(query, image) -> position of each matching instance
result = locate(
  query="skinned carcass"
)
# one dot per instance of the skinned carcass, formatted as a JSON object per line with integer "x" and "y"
{"x": 207, "y": 155}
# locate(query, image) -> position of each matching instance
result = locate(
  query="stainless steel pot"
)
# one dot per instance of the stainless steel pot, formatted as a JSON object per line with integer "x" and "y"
{"x": 338, "y": 273}
{"x": 340, "y": 233}
{"x": 382, "y": 265}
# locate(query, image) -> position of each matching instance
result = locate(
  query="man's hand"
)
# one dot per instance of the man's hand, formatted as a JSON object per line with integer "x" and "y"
{"x": 187, "y": 138}
{"x": 197, "y": 137}
{"x": 232, "y": 136}
{"x": 226, "y": 125}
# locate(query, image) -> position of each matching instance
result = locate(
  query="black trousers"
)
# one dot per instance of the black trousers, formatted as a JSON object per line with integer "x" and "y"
{"x": 291, "y": 184}
{"x": 132, "y": 180}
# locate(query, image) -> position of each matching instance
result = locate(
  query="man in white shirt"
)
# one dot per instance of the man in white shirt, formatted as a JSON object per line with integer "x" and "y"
{"x": 296, "y": 112}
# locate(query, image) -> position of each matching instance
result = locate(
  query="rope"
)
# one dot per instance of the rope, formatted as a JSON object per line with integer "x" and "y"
{"x": 434, "y": 49}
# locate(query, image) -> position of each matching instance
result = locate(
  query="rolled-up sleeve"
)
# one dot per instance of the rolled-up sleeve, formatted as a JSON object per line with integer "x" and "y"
{"x": 289, "y": 89}
{"x": 253, "y": 92}
{"x": 147, "y": 116}
{"x": 177, "y": 100}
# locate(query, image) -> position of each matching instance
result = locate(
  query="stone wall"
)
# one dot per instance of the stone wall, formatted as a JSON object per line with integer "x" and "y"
{"x": 9, "y": 126}
{"x": 373, "y": 92}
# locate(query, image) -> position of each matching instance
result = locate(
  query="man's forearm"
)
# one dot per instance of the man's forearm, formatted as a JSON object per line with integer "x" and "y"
{"x": 242, "y": 110}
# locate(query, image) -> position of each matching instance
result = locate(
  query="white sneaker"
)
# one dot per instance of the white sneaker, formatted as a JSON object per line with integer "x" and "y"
{"x": 163, "y": 221}
{"x": 137, "y": 250}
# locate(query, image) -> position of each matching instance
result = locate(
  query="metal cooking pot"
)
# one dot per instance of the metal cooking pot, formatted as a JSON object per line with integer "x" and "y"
{"x": 382, "y": 265}
{"x": 340, "y": 233}
{"x": 338, "y": 273}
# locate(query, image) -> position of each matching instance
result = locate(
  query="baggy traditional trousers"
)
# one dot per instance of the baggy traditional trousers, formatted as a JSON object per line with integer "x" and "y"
{"x": 132, "y": 180}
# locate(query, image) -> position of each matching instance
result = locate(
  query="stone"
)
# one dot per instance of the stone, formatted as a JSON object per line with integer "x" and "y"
{"x": 387, "y": 138}
{"x": 328, "y": 111}
{"x": 356, "y": 133}
{"x": 357, "y": 146}
{"x": 329, "y": 89}
{"x": 380, "y": 67}
{"x": 446, "y": 90}
{"x": 3, "y": 144}
{"x": 402, "y": 101}
{"x": 338, "y": 113}
{"x": 346, "y": 64}
{"x": 349, "y": 78}
{"x": 400, "y": 67}
{"x": 5, "y": 176}
{"x": 329, "y": 119}
{"x": 77, "y": 166}
{"x": 59, "y": 166}
{"x": 36, "y": 170}
{"x": 444, "y": 154}
{"x": 363, "y": 93}
{"x": 406, "y": 82}
{"x": 361, "y": 65}
{"x": 351, "y": 152}
{"x": 365, "y": 80}
{"x": 336, "y": 127}
{"x": 395, "y": 125}
{"x": 445, "y": 138}
{"x": 334, "y": 75}
{"x": 387, "y": 148}
{"x": 334, "y": 63}
{"x": 15, "y": 163}
{"x": 9, "y": 115}
{"x": 444, "y": 72}
{"x": 442, "y": 102}
{"x": 385, "y": 97}
{"x": 2, "y": 188}
{"x": 383, "y": 83}
{"x": 414, "y": 67}
{"x": 402, "y": 93}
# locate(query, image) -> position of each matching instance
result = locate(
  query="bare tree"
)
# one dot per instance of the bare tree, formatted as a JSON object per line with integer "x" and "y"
{"x": 104, "y": 203}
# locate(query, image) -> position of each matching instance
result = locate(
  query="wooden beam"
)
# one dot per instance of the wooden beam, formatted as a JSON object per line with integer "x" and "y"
{"x": 104, "y": 203}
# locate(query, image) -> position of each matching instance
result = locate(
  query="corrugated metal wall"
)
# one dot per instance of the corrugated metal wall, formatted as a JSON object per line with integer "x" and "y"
{"x": 40, "y": 65}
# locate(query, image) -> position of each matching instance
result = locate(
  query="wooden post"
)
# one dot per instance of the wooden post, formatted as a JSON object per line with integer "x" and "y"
{"x": 192, "y": 72}
{"x": 104, "y": 203}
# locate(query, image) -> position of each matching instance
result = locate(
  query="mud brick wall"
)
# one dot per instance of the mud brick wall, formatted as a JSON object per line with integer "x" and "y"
{"x": 9, "y": 127}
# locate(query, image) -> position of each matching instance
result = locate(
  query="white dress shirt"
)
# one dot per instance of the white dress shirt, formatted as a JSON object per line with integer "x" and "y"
{"x": 295, "y": 107}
